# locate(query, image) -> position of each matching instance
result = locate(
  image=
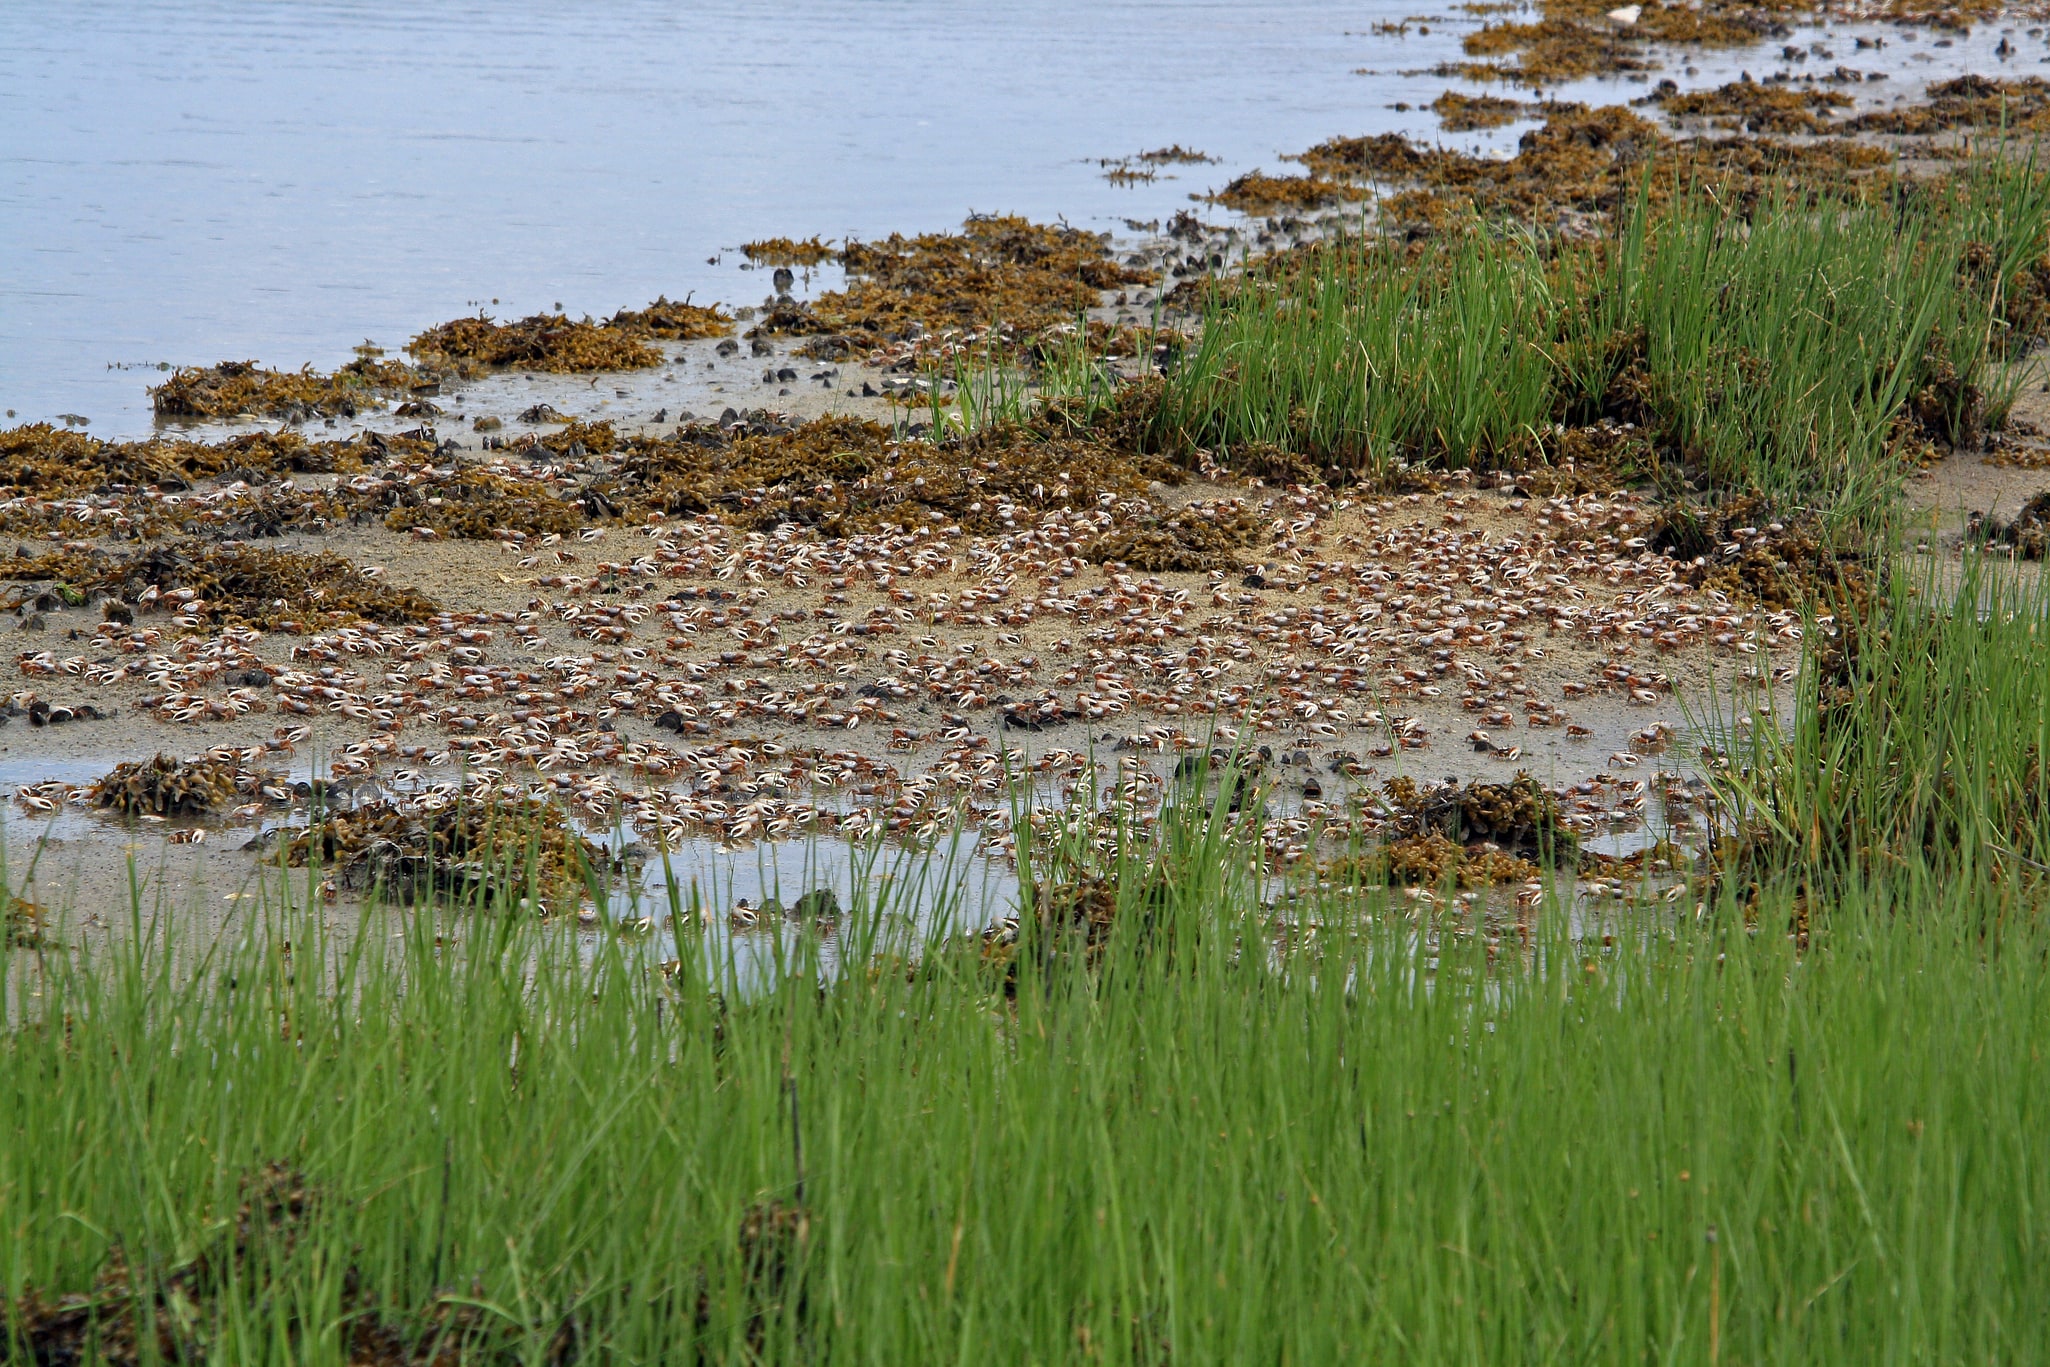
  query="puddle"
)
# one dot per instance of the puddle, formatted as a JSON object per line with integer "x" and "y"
{"x": 207, "y": 180}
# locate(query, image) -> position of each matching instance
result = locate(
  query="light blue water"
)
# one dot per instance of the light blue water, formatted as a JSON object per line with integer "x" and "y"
{"x": 198, "y": 180}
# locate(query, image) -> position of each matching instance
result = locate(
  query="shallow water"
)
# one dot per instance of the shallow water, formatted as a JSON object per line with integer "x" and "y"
{"x": 199, "y": 180}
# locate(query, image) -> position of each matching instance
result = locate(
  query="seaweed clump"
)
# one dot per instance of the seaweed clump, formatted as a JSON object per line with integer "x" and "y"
{"x": 210, "y": 586}
{"x": 1776, "y": 109}
{"x": 1198, "y": 537}
{"x": 674, "y": 320}
{"x": 166, "y": 787}
{"x": 845, "y": 475}
{"x": 1745, "y": 548}
{"x": 244, "y": 388}
{"x": 1966, "y": 102}
{"x": 1580, "y": 159}
{"x": 544, "y": 341}
{"x": 2028, "y": 534}
{"x": 1468, "y": 113}
{"x": 1574, "y": 39}
{"x": 1518, "y": 817}
{"x": 1256, "y": 192}
{"x": 504, "y": 854}
{"x": 49, "y": 462}
{"x": 21, "y": 922}
{"x": 474, "y": 503}
{"x": 998, "y": 270}
{"x": 784, "y": 251}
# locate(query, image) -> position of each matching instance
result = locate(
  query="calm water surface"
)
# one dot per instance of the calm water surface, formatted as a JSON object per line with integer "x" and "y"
{"x": 199, "y": 180}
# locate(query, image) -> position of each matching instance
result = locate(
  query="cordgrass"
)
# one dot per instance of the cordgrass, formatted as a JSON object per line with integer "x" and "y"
{"x": 1919, "y": 739}
{"x": 1794, "y": 346}
{"x": 1692, "y": 1140}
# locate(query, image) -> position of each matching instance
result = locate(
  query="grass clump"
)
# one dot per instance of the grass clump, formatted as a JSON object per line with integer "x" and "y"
{"x": 245, "y": 389}
{"x": 1800, "y": 349}
{"x": 578, "y": 1156}
{"x": 1919, "y": 742}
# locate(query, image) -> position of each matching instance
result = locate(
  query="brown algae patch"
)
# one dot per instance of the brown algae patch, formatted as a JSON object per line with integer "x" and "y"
{"x": 673, "y": 321}
{"x": 1256, "y": 192}
{"x": 1580, "y": 159}
{"x": 1467, "y": 113}
{"x": 238, "y": 388}
{"x": 785, "y": 251}
{"x": 167, "y": 787}
{"x": 1775, "y": 109}
{"x": 2028, "y": 535}
{"x": 42, "y": 461}
{"x": 503, "y": 854}
{"x": 1574, "y": 39}
{"x": 206, "y": 586}
{"x": 844, "y": 475}
{"x": 997, "y": 271}
{"x": 544, "y": 341}
{"x": 1968, "y": 102}
{"x": 1199, "y": 536}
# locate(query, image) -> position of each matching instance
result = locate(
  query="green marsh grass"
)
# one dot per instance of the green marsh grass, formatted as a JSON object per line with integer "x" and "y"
{"x": 1774, "y": 346}
{"x": 1920, "y": 741}
{"x": 1389, "y": 1141}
